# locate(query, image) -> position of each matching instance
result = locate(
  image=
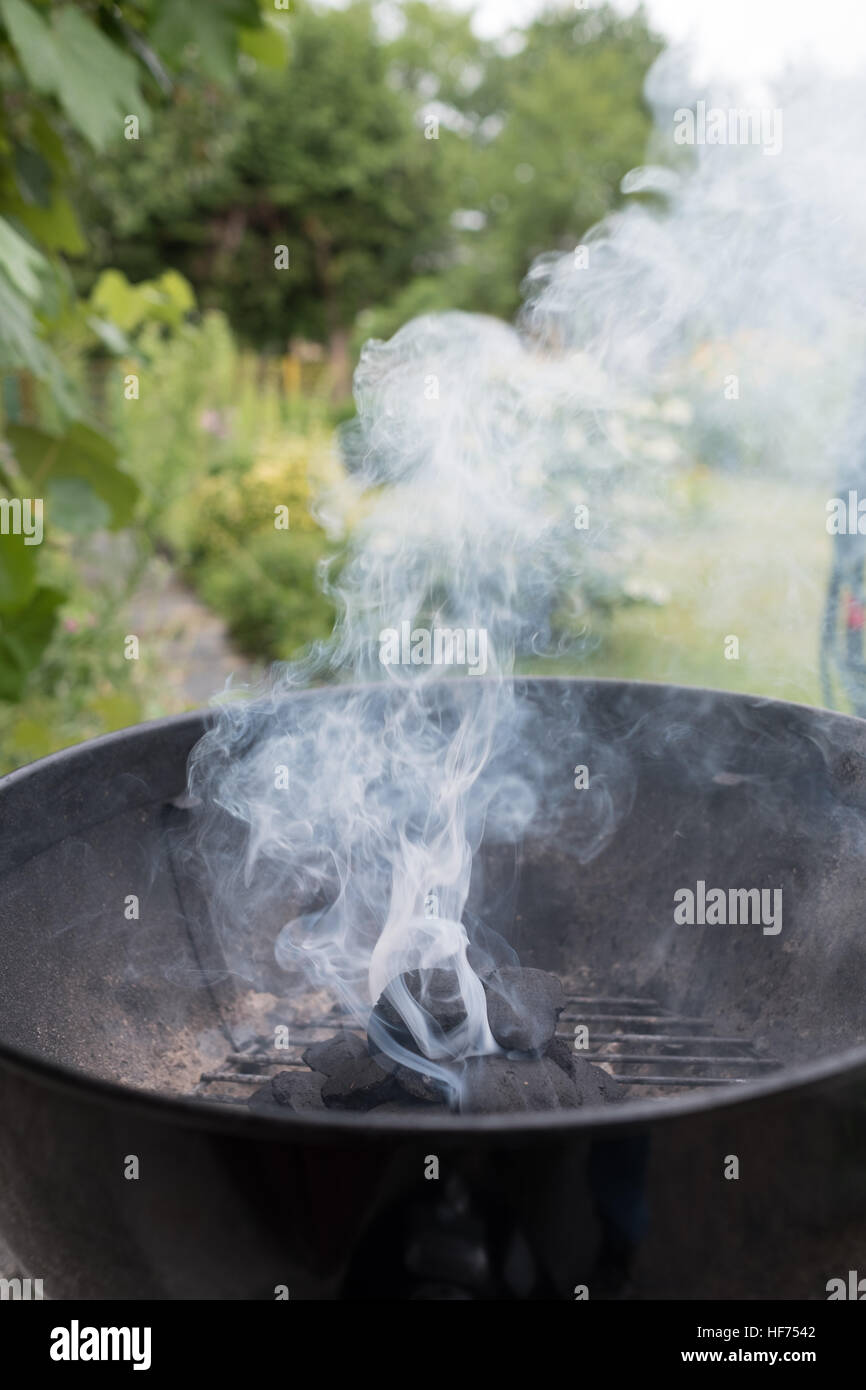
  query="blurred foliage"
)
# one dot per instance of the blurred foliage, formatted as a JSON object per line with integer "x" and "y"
{"x": 153, "y": 155}
{"x": 408, "y": 166}
{"x": 540, "y": 131}
{"x": 215, "y": 446}
{"x": 85, "y": 74}
{"x": 324, "y": 158}
{"x": 263, "y": 580}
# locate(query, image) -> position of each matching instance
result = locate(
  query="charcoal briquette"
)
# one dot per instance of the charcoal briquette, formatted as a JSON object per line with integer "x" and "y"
{"x": 496, "y": 1084}
{"x": 289, "y": 1090}
{"x": 417, "y": 1085}
{"x": 329, "y": 1056}
{"x": 592, "y": 1084}
{"x": 437, "y": 991}
{"x": 522, "y": 1007}
{"x": 359, "y": 1084}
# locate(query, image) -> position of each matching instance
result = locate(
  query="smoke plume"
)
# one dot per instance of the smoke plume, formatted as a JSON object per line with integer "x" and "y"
{"x": 499, "y": 480}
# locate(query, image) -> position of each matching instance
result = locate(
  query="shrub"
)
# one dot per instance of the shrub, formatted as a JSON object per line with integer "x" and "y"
{"x": 260, "y": 577}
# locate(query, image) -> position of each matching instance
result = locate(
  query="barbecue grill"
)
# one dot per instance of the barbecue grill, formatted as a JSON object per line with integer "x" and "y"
{"x": 128, "y": 1037}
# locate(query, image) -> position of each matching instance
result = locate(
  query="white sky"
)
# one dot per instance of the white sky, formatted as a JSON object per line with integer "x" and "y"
{"x": 738, "y": 37}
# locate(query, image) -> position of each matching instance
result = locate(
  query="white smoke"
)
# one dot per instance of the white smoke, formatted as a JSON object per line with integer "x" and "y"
{"x": 476, "y": 447}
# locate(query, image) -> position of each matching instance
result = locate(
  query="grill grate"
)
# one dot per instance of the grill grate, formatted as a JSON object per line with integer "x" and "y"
{"x": 254, "y": 1063}
{"x": 639, "y": 1043}
{"x": 642, "y": 1044}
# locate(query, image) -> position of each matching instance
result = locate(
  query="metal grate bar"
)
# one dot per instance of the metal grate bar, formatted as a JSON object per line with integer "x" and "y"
{"x": 623, "y": 1001}
{"x": 680, "y": 1038}
{"x": 667, "y": 1042}
{"x": 662, "y": 1021}
{"x": 641, "y": 1059}
{"x": 232, "y": 1078}
{"x": 683, "y": 1080}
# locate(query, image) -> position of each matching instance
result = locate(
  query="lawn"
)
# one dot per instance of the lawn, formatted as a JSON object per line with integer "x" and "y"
{"x": 749, "y": 560}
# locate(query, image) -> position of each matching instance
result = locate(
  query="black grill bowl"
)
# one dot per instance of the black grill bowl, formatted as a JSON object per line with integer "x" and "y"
{"x": 106, "y": 1025}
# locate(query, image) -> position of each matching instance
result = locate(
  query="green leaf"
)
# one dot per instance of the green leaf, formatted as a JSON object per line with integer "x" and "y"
{"x": 268, "y": 45}
{"x": 19, "y": 333}
{"x": 95, "y": 81}
{"x": 80, "y": 453}
{"x": 73, "y": 505}
{"x": 34, "y": 449}
{"x": 21, "y": 262}
{"x": 34, "y": 43}
{"x": 166, "y": 300}
{"x": 97, "y": 84}
{"x": 207, "y": 28}
{"x": 33, "y": 175}
{"x": 55, "y": 226}
{"x": 115, "y": 299}
{"x": 24, "y": 636}
{"x": 48, "y": 142}
{"x": 111, "y": 337}
{"x": 177, "y": 291}
{"x": 17, "y": 565}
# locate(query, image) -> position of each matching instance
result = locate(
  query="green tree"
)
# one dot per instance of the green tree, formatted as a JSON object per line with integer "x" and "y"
{"x": 325, "y": 159}
{"x": 573, "y": 123}
{"x": 537, "y": 132}
{"x": 333, "y": 158}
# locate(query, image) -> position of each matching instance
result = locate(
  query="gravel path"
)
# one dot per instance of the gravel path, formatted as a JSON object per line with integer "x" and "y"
{"x": 193, "y": 653}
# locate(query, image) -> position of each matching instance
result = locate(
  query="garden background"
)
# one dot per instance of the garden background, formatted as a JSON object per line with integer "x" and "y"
{"x": 205, "y": 210}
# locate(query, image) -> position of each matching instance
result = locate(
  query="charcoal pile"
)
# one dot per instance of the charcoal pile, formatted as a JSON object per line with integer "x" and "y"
{"x": 533, "y": 1070}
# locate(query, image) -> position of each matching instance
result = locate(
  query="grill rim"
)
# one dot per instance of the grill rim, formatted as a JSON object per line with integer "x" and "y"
{"x": 840, "y": 1068}
{"x": 194, "y": 723}
{"x": 844, "y": 1068}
